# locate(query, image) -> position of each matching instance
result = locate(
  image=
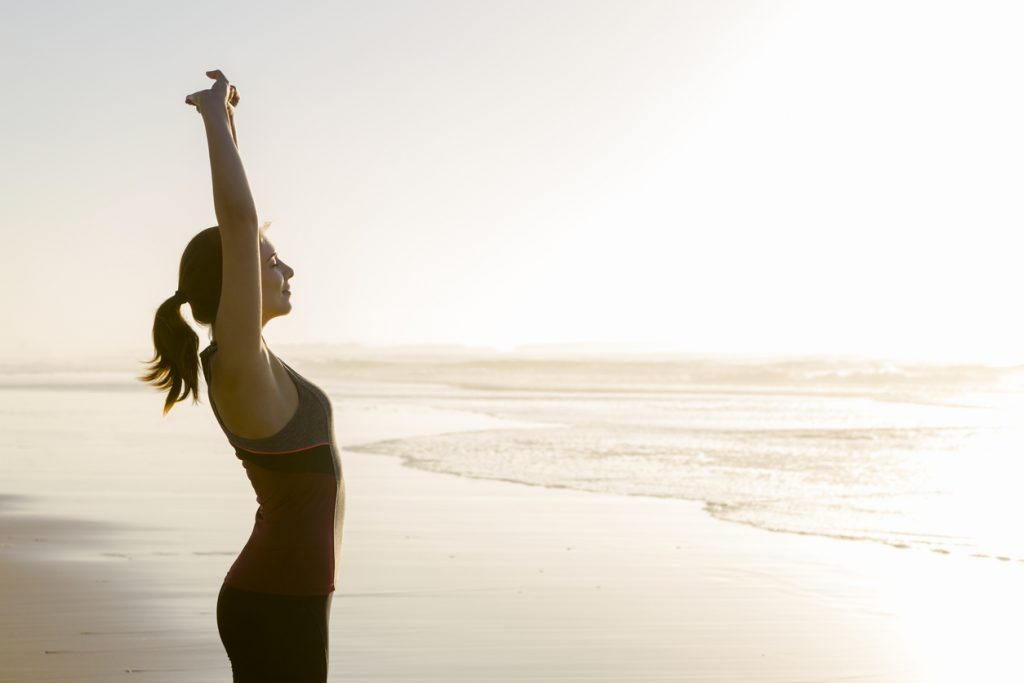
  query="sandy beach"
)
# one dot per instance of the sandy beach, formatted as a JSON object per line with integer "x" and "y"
{"x": 447, "y": 578}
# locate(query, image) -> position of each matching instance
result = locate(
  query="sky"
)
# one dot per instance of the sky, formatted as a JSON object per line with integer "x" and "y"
{"x": 704, "y": 176}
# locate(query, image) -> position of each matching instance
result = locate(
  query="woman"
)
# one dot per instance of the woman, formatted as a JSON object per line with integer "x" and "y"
{"x": 274, "y": 604}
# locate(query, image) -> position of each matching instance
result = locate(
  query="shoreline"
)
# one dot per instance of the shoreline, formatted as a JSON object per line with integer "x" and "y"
{"x": 410, "y": 462}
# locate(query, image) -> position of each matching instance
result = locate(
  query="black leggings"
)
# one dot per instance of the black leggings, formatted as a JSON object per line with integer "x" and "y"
{"x": 274, "y": 638}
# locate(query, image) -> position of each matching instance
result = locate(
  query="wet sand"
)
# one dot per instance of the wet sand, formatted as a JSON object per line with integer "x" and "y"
{"x": 444, "y": 578}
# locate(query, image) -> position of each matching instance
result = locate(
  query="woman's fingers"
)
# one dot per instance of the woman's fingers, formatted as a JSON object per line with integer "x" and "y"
{"x": 220, "y": 89}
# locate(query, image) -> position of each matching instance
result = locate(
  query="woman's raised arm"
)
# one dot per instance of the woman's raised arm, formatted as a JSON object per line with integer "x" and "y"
{"x": 239, "y": 321}
{"x": 232, "y": 199}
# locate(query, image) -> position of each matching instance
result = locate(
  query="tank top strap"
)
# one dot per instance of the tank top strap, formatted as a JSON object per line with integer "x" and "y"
{"x": 291, "y": 433}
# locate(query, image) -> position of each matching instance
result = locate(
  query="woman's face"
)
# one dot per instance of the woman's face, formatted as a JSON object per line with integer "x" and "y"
{"x": 275, "y": 276}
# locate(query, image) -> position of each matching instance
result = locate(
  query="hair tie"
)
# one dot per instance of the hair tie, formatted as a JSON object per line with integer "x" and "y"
{"x": 179, "y": 296}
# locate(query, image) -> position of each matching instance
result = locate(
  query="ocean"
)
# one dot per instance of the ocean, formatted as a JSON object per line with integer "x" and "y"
{"x": 923, "y": 457}
{"x": 917, "y": 457}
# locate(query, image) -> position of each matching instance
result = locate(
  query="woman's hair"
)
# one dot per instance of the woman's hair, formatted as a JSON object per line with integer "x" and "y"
{"x": 175, "y": 365}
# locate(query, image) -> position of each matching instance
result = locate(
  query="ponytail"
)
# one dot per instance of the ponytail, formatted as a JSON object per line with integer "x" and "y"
{"x": 175, "y": 365}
